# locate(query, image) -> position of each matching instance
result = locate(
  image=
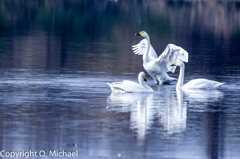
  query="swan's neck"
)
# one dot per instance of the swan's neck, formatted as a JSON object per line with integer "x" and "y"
{"x": 141, "y": 82}
{"x": 146, "y": 54}
{"x": 181, "y": 77}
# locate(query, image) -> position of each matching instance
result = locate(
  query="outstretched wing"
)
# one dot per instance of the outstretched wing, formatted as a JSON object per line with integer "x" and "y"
{"x": 172, "y": 54}
{"x": 141, "y": 48}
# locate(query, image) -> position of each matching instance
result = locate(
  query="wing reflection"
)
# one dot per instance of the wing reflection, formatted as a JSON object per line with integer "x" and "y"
{"x": 163, "y": 110}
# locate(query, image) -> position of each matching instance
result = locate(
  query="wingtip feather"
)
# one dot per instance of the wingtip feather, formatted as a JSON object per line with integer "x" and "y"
{"x": 219, "y": 84}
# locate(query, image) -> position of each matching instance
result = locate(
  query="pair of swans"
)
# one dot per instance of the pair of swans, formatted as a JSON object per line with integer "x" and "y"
{"x": 157, "y": 68}
{"x": 130, "y": 86}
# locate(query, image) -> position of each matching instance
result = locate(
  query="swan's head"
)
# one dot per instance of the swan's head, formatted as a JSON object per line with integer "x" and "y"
{"x": 142, "y": 76}
{"x": 142, "y": 34}
{"x": 179, "y": 64}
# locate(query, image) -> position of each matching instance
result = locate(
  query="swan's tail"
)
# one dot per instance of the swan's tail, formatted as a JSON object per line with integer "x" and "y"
{"x": 114, "y": 88}
{"x": 218, "y": 85}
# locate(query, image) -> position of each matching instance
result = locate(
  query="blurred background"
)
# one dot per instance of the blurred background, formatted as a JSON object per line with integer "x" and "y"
{"x": 97, "y": 35}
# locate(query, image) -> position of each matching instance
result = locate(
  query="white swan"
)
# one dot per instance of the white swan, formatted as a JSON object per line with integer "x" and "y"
{"x": 196, "y": 83}
{"x": 130, "y": 86}
{"x": 155, "y": 66}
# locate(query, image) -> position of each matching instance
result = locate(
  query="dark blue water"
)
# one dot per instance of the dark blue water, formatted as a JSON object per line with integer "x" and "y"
{"x": 57, "y": 56}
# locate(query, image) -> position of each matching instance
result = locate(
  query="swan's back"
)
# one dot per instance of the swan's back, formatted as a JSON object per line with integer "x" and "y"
{"x": 202, "y": 84}
{"x": 114, "y": 87}
{"x": 127, "y": 86}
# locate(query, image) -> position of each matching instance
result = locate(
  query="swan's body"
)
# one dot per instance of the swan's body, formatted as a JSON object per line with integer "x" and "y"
{"x": 196, "y": 83}
{"x": 157, "y": 67}
{"x": 130, "y": 86}
{"x": 202, "y": 84}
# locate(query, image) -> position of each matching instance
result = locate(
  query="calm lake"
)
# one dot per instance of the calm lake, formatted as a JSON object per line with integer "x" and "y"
{"x": 56, "y": 58}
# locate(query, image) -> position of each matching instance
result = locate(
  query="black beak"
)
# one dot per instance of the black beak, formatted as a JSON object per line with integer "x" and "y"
{"x": 145, "y": 79}
{"x": 172, "y": 65}
{"x": 137, "y": 34}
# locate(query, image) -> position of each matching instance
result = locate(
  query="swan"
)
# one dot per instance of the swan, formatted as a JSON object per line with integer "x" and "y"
{"x": 130, "y": 86}
{"x": 196, "y": 83}
{"x": 157, "y": 67}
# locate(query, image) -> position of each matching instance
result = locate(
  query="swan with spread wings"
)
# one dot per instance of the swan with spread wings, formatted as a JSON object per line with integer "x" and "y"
{"x": 157, "y": 67}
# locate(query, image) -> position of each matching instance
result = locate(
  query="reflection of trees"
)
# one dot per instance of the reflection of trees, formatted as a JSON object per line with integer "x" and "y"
{"x": 82, "y": 26}
{"x": 221, "y": 18}
{"x": 91, "y": 17}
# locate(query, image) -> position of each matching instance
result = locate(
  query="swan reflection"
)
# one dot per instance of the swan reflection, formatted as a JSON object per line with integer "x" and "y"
{"x": 141, "y": 107}
{"x": 198, "y": 95}
{"x": 202, "y": 100}
{"x": 174, "y": 114}
{"x": 147, "y": 111}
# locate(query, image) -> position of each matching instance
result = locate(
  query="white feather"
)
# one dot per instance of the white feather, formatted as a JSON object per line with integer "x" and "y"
{"x": 141, "y": 48}
{"x": 171, "y": 54}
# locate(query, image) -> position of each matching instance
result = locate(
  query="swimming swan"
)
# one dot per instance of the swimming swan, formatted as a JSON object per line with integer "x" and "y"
{"x": 155, "y": 66}
{"x": 130, "y": 86}
{"x": 196, "y": 83}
